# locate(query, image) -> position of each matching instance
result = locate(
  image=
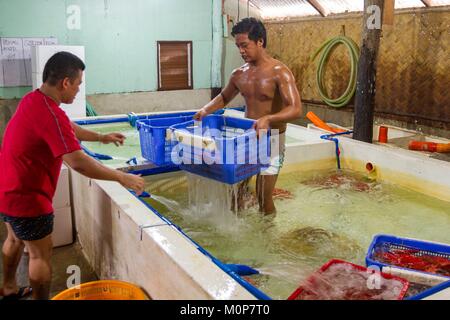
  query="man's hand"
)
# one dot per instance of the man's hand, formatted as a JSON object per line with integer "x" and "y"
{"x": 200, "y": 115}
{"x": 133, "y": 182}
{"x": 114, "y": 137}
{"x": 93, "y": 169}
{"x": 262, "y": 123}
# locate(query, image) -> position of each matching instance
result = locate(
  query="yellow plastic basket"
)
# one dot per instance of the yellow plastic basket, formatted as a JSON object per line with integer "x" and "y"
{"x": 103, "y": 290}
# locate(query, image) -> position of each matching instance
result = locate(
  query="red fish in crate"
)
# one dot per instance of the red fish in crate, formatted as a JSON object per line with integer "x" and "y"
{"x": 341, "y": 280}
{"x": 414, "y": 259}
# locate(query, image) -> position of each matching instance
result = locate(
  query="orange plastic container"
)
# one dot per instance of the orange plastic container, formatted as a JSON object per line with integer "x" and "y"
{"x": 320, "y": 124}
{"x": 429, "y": 146}
{"x": 103, "y": 290}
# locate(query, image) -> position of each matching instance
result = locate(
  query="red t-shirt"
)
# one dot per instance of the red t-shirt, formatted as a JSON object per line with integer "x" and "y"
{"x": 35, "y": 139}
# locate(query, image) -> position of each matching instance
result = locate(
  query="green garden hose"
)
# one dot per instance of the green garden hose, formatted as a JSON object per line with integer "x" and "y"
{"x": 353, "y": 51}
{"x": 90, "y": 111}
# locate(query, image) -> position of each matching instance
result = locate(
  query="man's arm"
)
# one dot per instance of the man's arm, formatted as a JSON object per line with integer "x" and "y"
{"x": 89, "y": 135}
{"x": 292, "y": 105}
{"x": 220, "y": 101}
{"x": 91, "y": 168}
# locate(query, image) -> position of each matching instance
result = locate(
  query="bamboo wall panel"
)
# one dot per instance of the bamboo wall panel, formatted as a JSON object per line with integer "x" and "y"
{"x": 413, "y": 73}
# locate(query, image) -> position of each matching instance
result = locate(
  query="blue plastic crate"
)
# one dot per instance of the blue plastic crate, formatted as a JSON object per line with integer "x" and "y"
{"x": 156, "y": 145}
{"x": 230, "y": 154}
{"x": 388, "y": 243}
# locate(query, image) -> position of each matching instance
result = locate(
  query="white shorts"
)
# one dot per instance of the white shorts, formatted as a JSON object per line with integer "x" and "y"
{"x": 277, "y": 150}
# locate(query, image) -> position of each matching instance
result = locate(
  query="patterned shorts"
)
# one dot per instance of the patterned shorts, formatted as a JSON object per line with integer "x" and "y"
{"x": 30, "y": 229}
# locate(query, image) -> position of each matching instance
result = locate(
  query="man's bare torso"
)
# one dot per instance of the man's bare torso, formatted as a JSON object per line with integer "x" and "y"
{"x": 258, "y": 85}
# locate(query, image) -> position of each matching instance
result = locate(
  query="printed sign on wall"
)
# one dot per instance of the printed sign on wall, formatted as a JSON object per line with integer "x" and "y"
{"x": 15, "y": 59}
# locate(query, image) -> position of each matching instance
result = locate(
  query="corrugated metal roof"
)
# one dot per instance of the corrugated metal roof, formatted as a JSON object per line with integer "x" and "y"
{"x": 400, "y": 4}
{"x": 299, "y": 8}
{"x": 440, "y": 2}
{"x": 284, "y": 8}
{"x": 341, "y": 6}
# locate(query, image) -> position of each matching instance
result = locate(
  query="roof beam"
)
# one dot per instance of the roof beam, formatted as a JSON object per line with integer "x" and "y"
{"x": 427, "y": 3}
{"x": 319, "y": 8}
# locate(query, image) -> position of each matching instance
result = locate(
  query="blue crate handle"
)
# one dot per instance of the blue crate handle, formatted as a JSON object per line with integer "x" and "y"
{"x": 182, "y": 124}
{"x": 191, "y": 122}
{"x": 249, "y": 133}
{"x": 139, "y": 124}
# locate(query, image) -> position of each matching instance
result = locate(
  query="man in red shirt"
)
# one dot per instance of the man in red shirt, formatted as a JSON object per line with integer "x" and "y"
{"x": 38, "y": 138}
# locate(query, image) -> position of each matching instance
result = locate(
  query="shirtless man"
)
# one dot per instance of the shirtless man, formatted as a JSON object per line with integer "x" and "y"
{"x": 270, "y": 94}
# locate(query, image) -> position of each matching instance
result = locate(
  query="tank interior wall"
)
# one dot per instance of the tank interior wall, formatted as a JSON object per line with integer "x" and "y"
{"x": 402, "y": 167}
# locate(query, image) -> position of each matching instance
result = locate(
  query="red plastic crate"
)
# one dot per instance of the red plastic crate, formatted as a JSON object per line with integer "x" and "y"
{"x": 326, "y": 266}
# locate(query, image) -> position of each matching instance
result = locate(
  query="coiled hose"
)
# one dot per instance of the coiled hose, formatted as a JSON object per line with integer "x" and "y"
{"x": 90, "y": 111}
{"x": 353, "y": 51}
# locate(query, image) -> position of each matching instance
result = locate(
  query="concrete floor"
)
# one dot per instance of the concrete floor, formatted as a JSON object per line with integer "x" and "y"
{"x": 62, "y": 258}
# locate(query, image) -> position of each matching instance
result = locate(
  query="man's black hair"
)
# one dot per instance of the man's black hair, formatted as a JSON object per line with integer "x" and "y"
{"x": 62, "y": 65}
{"x": 253, "y": 27}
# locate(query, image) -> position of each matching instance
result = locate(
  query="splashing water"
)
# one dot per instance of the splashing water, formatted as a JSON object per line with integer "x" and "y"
{"x": 170, "y": 204}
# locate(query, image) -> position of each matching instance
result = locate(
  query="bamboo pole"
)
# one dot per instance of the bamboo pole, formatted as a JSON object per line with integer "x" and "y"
{"x": 367, "y": 66}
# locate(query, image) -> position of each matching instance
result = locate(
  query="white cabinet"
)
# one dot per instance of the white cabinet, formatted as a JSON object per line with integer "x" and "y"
{"x": 62, "y": 194}
{"x": 62, "y": 225}
{"x": 40, "y": 56}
